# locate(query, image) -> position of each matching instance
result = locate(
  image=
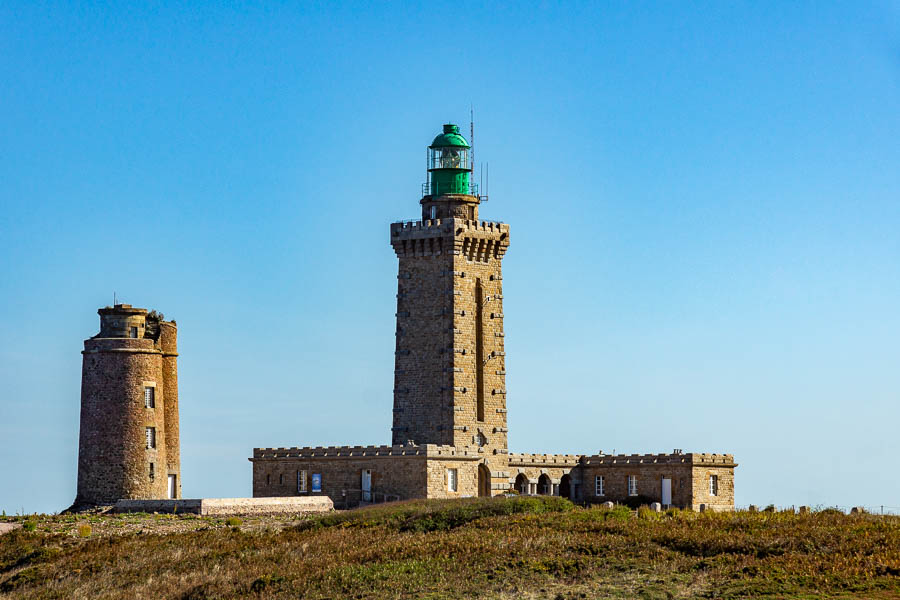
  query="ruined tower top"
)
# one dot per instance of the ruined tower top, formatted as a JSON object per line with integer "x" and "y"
{"x": 122, "y": 321}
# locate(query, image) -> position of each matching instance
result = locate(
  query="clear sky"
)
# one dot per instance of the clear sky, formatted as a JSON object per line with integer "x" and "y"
{"x": 704, "y": 202}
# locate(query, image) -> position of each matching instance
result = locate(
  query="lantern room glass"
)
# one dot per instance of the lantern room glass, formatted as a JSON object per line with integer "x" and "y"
{"x": 448, "y": 157}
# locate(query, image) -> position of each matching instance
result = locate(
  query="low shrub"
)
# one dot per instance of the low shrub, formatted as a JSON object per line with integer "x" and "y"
{"x": 29, "y": 525}
{"x": 439, "y": 515}
{"x": 618, "y": 513}
{"x": 645, "y": 514}
{"x": 233, "y": 521}
{"x": 84, "y": 531}
{"x": 260, "y": 584}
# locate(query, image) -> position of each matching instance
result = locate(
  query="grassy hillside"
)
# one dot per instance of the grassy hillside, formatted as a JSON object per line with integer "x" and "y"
{"x": 501, "y": 548}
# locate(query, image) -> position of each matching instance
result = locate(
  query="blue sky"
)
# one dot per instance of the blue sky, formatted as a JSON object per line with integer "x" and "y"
{"x": 704, "y": 201}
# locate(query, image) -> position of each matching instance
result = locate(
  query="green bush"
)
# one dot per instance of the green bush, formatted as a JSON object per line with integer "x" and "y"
{"x": 618, "y": 513}
{"x": 29, "y": 525}
{"x": 84, "y": 531}
{"x": 233, "y": 521}
{"x": 644, "y": 513}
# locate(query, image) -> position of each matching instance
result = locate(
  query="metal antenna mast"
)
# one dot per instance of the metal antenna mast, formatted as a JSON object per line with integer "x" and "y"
{"x": 472, "y": 137}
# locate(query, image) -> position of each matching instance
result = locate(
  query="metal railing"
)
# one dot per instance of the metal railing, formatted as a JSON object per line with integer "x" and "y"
{"x": 473, "y": 191}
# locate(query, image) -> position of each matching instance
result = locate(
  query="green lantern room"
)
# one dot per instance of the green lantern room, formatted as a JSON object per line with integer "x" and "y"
{"x": 449, "y": 191}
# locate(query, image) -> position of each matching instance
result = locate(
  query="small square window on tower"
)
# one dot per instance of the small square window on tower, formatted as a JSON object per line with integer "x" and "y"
{"x": 452, "y": 480}
{"x": 713, "y": 485}
{"x": 149, "y": 397}
{"x": 151, "y": 437}
{"x": 632, "y": 485}
{"x": 133, "y": 332}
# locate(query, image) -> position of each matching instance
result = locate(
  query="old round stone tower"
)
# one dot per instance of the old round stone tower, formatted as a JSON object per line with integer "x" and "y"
{"x": 128, "y": 446}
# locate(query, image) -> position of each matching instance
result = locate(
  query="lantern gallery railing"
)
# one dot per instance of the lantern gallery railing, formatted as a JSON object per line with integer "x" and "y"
{"x": 451, "y": 188}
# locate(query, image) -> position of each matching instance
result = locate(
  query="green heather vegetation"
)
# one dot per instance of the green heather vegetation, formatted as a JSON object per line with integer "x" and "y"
{"x": 478, "y": 548}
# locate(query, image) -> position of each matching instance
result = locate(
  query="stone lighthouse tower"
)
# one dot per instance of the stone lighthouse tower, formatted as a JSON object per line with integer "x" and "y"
{"x": 128, "y": 446}
{"x": 450, "y": 374}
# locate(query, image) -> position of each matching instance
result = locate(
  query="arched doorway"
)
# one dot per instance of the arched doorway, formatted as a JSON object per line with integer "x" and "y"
{"x": 565, "y": 486}
{"x": 544, "y": 485}
{"x": 484, "y": 480}
{"x": 521, "y": 484}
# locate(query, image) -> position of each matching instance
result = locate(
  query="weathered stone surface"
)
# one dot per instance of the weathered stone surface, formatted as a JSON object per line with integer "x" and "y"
{"x": 229, "y": 506}
{"x": 656, "y": 507}
{"x": 134, "y": 350}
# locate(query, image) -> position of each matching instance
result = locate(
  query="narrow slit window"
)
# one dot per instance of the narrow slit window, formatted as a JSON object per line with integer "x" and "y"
{"x": 632, "y": 485}
{"x": 598, "y": 485}
{"x": 151, "y": 437}
{"x": 452, "y": 480}
{"x": 713, "y": 485}
{"x": 149, "y": 397}
{"x": 152, "y": 472}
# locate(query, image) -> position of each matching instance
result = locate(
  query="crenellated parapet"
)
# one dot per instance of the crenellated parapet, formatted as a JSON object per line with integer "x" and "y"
{"x": 477, "y": 240}
{"x": 319, "y": 452}
{"x": 543, "y": 460}
{"x": 690, "y": 458}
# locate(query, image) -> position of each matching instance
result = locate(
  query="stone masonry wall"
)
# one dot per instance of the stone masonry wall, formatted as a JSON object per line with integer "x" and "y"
{"x": 421, "y": 373}
{"x": 113, "y": 459}
{"x": 398, "y": 472}
{"x": 450, "y": 384}
{"x": 724, "y": 499}
{"x": 168, "y": 343}
{"x": 689, "y": 474}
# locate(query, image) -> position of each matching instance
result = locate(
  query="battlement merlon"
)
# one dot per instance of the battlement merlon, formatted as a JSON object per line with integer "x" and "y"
{"x": 329, "y": 452}
{"x": 543, "y": 460}
{"x": 689, "y": 458}
{"x": 445, "y": 235}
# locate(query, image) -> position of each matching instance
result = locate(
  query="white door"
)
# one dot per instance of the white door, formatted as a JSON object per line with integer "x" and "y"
{"x": 171, "y": 486}
{"x": 367, "y": 485}
{"x": 666, "y": 491}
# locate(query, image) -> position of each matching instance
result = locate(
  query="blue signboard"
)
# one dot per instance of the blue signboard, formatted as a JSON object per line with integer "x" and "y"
{"x": 317, "y": 482}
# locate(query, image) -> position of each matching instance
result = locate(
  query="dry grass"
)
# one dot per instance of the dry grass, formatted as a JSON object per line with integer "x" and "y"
{"x": 518, "y": 548}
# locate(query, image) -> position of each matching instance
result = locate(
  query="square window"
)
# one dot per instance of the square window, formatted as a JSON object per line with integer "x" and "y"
{"x": 452, "y": 481}
{"x": 151, "y": 437}
{"x": 632, "y": 485}
{"x": 133, "y": 332}
{"x": 598, "y": 485}
{"x": 149, "y": 397}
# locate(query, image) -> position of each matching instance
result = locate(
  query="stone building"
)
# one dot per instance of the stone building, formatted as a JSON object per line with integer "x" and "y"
{"x": 128, "y": 444}
{"x": 449, "y": 434}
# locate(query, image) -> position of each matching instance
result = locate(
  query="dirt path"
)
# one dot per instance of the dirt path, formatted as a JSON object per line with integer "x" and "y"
{"x": 7, "y": 527}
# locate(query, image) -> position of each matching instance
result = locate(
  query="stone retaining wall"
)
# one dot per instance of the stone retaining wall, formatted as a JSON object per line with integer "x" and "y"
{"x": 229, "y": 506}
